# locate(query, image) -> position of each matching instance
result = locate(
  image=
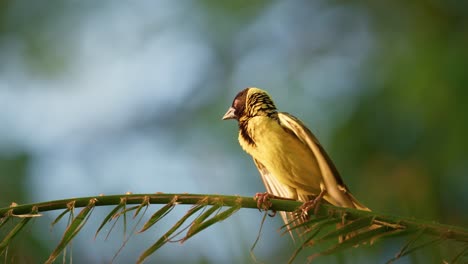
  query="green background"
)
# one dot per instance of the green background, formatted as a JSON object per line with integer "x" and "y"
{"x": 383, "y": 85}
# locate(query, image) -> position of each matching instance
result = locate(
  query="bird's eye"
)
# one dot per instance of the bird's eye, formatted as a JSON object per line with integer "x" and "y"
{"x": 236, "y": 104}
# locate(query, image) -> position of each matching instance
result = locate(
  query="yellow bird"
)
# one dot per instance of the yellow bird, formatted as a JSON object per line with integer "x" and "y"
{"x": 290, "y": 159}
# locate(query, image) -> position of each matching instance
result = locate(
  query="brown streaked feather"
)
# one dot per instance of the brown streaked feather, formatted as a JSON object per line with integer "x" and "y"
{"x": 243, "y": 130}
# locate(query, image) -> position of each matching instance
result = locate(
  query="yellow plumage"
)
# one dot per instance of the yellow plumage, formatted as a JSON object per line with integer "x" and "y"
{"x": 285, "y": 157}
{"x": 291, "y": 161}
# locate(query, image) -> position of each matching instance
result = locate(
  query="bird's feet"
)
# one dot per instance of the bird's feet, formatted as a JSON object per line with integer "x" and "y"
{"x": 314, "y": 204}
{"x": 264, "y": 202}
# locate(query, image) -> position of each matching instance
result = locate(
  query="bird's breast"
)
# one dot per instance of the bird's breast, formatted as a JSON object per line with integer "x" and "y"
{"x": 282, "y": 153}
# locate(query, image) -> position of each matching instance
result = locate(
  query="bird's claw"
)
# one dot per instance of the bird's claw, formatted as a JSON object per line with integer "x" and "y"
{"x": 306, "y": 207}
{"x": 264, "y": 202}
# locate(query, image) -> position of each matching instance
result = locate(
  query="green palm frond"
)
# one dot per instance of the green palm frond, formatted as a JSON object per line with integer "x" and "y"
{"x": 331, "y": 230}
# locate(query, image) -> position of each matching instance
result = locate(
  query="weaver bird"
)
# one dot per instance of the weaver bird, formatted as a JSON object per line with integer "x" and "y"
{"x": 290, "y": 159}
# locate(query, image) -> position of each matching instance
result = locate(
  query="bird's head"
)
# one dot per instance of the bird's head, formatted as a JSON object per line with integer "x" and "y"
{"x": 250, "y": 102}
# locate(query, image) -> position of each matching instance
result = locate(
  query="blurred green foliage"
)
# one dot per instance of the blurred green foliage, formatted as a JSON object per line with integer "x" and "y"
{"x": 408, "y": 130}
{"x": 13, "y": 177}
{"x": 26, "y": 248}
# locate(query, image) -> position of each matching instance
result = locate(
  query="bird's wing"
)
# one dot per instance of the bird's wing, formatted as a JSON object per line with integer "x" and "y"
{"x": 276, "y": 188}
{"x": 337, "y": 192}
{"x": 272, "y": 184}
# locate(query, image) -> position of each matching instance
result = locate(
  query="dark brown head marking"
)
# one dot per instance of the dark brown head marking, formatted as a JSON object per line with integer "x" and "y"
{"x": 239, "y": 102}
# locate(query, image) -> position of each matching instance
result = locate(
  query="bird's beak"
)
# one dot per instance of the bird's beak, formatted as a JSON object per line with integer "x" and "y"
{"x": 230, "y": 114}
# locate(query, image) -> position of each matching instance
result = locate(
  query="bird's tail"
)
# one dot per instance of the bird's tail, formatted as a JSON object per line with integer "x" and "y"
{"x": 357, "y": 204}
{"x": 296, "y": 221}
